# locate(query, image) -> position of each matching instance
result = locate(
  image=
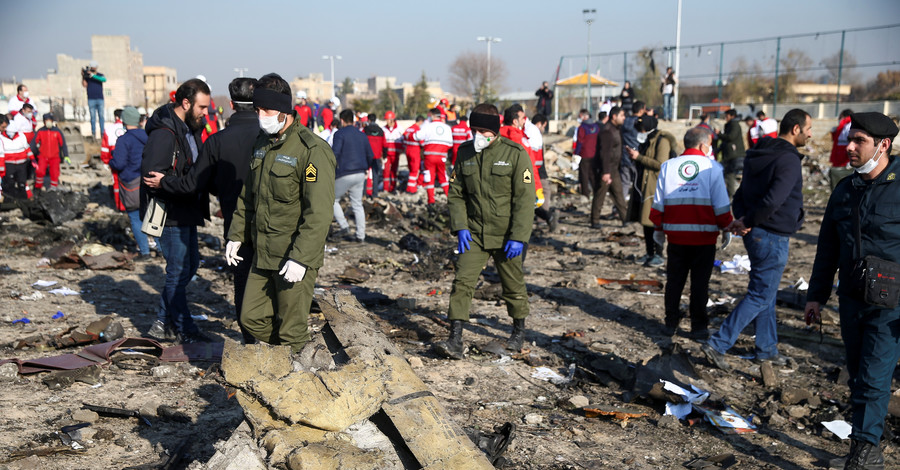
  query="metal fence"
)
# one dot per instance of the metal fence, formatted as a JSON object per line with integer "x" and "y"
{"x": 763, "y": 71}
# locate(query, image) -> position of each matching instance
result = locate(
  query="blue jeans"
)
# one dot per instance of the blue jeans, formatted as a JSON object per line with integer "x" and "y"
{"x": 96, "y": 106}
{"x": 139, "y": 236}
{"x": 872, "y": 340}
{"x": 179, "y": 247}
{"x": 768, "y": 254}
{"x": 667, "y": 106}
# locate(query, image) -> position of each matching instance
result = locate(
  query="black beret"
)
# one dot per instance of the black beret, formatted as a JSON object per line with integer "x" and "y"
{"x": 48, "y": 117}
{"x": 876, "y": 125}
{"x": 646, "y": 123}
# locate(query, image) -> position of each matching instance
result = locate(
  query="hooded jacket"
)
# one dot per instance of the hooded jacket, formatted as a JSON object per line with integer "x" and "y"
{"x": 167, "y": 137}
{"x": 126, "y": 157}
{"x": 770, "y": 195}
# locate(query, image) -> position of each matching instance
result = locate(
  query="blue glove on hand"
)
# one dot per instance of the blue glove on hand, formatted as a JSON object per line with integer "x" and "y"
{"x": 463, "y": 238}
{"x": 513, "y": 249}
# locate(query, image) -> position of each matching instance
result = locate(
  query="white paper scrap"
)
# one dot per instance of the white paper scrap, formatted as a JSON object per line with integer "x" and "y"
{"x": 840, "y": 428}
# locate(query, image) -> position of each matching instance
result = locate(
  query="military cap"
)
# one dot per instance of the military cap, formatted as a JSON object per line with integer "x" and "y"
{"x": 876, "y": 125}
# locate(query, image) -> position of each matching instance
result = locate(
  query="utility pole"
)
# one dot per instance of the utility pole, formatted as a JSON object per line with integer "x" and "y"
{"x": 837, "y": 98}
{"x": 333, "y": 84}
{"x": 677, "y": 61}
{"x": 488, "y": 40}
{"x": 589, "y": 16}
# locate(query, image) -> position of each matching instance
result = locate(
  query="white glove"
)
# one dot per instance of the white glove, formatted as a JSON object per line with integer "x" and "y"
{"x": 726, "y": 239}
{"x": 659, "y": 237}
{"x": 231, "y": 256}
{"x": 293, "y": 271}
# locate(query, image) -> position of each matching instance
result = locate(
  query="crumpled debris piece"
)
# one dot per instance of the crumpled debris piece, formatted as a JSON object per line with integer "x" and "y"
{"x": 64, "y": 291}
{"x": 739, "y": 265}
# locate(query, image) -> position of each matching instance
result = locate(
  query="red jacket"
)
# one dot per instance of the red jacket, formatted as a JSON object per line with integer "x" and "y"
{"x": 304, "y": 113}
{"x": 839, "y": 137}
{"x": 393, "y": 138}
{"x": 327, "y": 117}
{"x": 461, "y": 133}
{"x": 50, "y": 143}
{"x": 412, "y": 147}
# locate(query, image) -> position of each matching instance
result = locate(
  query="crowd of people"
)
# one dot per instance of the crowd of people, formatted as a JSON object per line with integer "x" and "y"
{"x": 279, "y": 169}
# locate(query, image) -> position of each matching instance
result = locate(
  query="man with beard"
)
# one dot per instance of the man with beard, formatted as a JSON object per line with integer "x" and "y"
{"x": 173, "y": 146}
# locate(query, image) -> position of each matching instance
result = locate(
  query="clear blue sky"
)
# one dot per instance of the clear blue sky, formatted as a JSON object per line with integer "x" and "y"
{"x": 403, "y": 38}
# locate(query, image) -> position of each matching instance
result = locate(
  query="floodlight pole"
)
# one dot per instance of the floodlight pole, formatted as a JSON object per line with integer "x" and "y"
{"x": 333, "y": 84}
{"x": 588, "y": 15}
{"x": 677, "y": 62}
{"x": 488, "y": 40}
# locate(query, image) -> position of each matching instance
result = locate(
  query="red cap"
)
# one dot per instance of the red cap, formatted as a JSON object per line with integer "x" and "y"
{"x": 390, "y": 115}
{"x": 172, "y": 96}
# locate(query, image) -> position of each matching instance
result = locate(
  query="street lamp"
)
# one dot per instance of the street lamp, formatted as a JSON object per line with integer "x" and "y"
{"x": 589, "y": 16}
{"x": 241, "y": 70}
{"x": 333, "y": 85}
{"x": 488, "y": 40}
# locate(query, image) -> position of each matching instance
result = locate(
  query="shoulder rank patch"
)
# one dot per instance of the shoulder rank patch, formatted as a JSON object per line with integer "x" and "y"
{"x": 526, "y": 177}
{"x": 259, "y": 153}
{"x": 311, "y": 173}
{"x": 891, "y": 176}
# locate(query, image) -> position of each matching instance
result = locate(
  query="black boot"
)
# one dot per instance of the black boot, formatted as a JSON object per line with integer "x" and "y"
{"x": 862, "y": 456}
{"x": 453, "y": 347}
{"x": 554, "y": 220}
{"x": 517, "y": 338}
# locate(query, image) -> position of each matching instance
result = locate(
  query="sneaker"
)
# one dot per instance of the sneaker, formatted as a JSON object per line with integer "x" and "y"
{"x": 339, "y": 234}
{"x": 656, "y": 261}
{"x": 161, "y": 331}
{"x": 777, "y": 360}
{"x": 642, "y": 260}
{"x": 596, "y": 225}
{"x": 715, "y": 357}
{"x": 146, "y": 257}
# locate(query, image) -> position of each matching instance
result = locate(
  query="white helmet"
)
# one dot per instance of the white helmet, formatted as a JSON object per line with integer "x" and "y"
{"x": 335, "y": 101}
{"x": 301, "y": 94}
{"x": 142, "y": 110}
{"x": 201, "y": 78}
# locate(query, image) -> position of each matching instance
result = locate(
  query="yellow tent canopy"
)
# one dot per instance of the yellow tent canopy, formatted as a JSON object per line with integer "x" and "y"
{"x": 581, "y": 80}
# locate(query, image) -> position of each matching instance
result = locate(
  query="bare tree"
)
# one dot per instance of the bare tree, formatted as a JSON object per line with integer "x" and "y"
{"x": 746, "y": 83}
{"x": 646, "y": 86}
{"x": 795, "y": 67}
{"x": 469, "y": 76}
{"x": 833, "y": 65}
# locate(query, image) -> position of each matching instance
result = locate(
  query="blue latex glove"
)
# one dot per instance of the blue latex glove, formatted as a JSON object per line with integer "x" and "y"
{"x": 463, "y": 238}
{"x": 513, "y": 249}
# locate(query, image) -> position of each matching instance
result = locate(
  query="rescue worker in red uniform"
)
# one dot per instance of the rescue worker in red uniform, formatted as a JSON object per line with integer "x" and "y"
{"x": 376, "y": 140}
{"x": 461, "y": 133}
{"x": 210, "y": 123}
{"x": 24, "y": 122}
{"x": 437, "y": 139}
{"x": 110, "y": 135}
{"x": 50, "y": 147}
{"x": 393, "y": 138}
{"x": 17, "y": 157}
{"x": 413, "y": 150}
{"x": 304, "y": 112}
{"x": 326, "y": 115}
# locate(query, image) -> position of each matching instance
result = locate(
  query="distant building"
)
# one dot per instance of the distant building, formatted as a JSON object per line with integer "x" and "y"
{"x": 315, "y": 86}
{"x": 62, "y": 90}
{"x": 159, "y": 81}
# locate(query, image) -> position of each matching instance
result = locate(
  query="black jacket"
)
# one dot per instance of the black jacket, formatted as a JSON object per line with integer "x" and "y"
{"x": 223, "y": 164}
{"x": 167, "y": 136}
{"x": 771, "y": 192}
{"x": 732, "y": 146}
{"x": 879, "y": 214}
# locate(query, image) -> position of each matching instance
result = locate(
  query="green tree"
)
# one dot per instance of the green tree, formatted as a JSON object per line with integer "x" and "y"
{"x": 388, "y": 101}
{"x": 365, "y": 105}
{"x": 794, "y": 68}
{"x": 345, "y": 89}
{"x": 417, "y": 103}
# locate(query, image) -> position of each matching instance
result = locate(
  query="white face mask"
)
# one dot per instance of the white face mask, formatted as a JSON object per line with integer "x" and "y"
{"x": 25, "y": 94}
{"x": 870, "y": 165}
{"x": 270, "y": 124}
{"x": 642, "y": 137}
{"x": 481, "y": 142}
{"x": 27, "y": 115}
{"x": 709, "y": 151}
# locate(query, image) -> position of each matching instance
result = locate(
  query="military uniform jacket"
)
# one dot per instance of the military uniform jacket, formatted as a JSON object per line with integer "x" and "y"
{"x": 287, "y": 202}
{"x": 492, "y": 193}
{"x": 879, "y": 214}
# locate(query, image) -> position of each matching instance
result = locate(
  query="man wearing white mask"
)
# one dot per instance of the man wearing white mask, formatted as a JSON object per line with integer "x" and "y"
{"x": 285, "y": 208}
{"x": 491, "y": 204}
{"x": 858, "y": 237}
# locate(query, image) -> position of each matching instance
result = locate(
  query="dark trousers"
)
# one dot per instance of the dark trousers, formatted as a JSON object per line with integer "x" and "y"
{"x": 614, "y": 188}
{"x": 652, "y": 247}
{"x": 587, "y": 176}
{"x": 15, "y": 181}
{"x": 872, "y": 341}
{"x": 698, "y": 261}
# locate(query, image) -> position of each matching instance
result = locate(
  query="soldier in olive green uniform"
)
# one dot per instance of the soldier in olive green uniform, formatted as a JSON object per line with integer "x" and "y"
{"x": 491, "y": 203}
{"x": 285, "y": 208}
